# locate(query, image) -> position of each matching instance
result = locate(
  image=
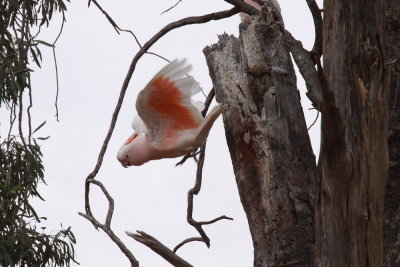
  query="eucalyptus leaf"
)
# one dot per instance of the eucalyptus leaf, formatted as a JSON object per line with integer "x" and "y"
{"x": 40, "y": 126}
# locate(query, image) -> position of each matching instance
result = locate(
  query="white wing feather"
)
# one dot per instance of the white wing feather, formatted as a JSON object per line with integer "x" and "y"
{"x": 138, "y": 125}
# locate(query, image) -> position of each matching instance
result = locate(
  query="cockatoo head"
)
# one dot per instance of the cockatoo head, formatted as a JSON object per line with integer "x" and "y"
{"x": 133, "y": 151}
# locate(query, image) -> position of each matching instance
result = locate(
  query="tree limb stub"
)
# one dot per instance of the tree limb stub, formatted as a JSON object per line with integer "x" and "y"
{"x": 159, "y": 248}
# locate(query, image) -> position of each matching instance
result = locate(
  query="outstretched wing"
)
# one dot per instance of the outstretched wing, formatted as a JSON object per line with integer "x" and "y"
{"x": 165, "y": 104}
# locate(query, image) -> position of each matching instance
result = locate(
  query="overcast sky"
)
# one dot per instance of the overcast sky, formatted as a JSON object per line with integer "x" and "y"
{"x": 93, "y": 61}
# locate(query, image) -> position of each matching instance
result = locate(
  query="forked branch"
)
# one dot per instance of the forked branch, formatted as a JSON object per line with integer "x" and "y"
{"x": 194, "y": 191}
{"x": 106, "y": 226}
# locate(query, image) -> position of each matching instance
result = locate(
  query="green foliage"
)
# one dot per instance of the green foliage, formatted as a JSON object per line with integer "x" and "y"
{"x": 18, "y": 44}
{"x": 21, "y": 167}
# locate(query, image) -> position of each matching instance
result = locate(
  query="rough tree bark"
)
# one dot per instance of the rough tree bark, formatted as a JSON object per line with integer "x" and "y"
{"x": 354, "y": 153}
{"x": 392, "y": 195}
{"x": 268, "y": 141}
{"x": 270, "y": 149}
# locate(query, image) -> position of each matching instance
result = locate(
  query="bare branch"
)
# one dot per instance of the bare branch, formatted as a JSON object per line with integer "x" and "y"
{"x": 194, "y": 191}
{"x": 306, "y": 67}
{"x": 118, "y": 29}
{"x": 243, "y": 7}
{"x": 159, "y": 248}
{"x": 106, "y": 227}
{"x": 177, "y": 3}
{"x": 110, "y": 202}
{"x": 316, "y": 51}
{"x": 216, "y": 220}
{"x": 188, "y": 240}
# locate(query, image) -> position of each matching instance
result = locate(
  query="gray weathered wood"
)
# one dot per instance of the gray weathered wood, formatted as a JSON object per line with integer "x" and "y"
{"x": 268, "y": 141}
{"x": 354, "y": 155}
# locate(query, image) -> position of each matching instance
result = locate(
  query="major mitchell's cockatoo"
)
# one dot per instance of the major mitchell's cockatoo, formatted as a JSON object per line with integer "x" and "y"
{"x": 254, "y": 4}
{"x": 168, "y": 124}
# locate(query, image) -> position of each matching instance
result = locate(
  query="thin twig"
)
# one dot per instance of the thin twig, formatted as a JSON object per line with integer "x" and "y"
{"x": 55, "y": 64}
{"x": 28, "y": 111}
{"x": 116, "y": 27}
{"x": 159, "y": 248}
{"x": 13, "y": 116}
{"x": 177, "y": 3}
{"x": 20, "y": 112}
{"x": 188, "y": 240}
{"x": 312, "y": 124}
{"x": 157, "y": 55}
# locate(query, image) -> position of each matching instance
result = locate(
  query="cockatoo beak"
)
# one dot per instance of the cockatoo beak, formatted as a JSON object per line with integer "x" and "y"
{"x": 124, "y": 163}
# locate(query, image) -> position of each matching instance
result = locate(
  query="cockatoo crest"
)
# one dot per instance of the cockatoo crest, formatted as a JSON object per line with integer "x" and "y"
{"x": 169, "y": 123}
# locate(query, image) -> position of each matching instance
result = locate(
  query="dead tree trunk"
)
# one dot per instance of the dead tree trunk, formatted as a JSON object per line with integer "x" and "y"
{"x": 392, "y": 195}
{"x": 268, "y": 141}
{"x": 354, "y": 152}
{"x": 270, "y": 149}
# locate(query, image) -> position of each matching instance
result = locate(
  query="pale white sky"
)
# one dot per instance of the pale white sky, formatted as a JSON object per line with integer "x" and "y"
{"x": 93, "y": 61}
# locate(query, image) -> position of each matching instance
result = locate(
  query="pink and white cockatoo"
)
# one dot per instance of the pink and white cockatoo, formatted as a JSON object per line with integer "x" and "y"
{"x": 168, "y": 124}
{"x": 257, "y": 6}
